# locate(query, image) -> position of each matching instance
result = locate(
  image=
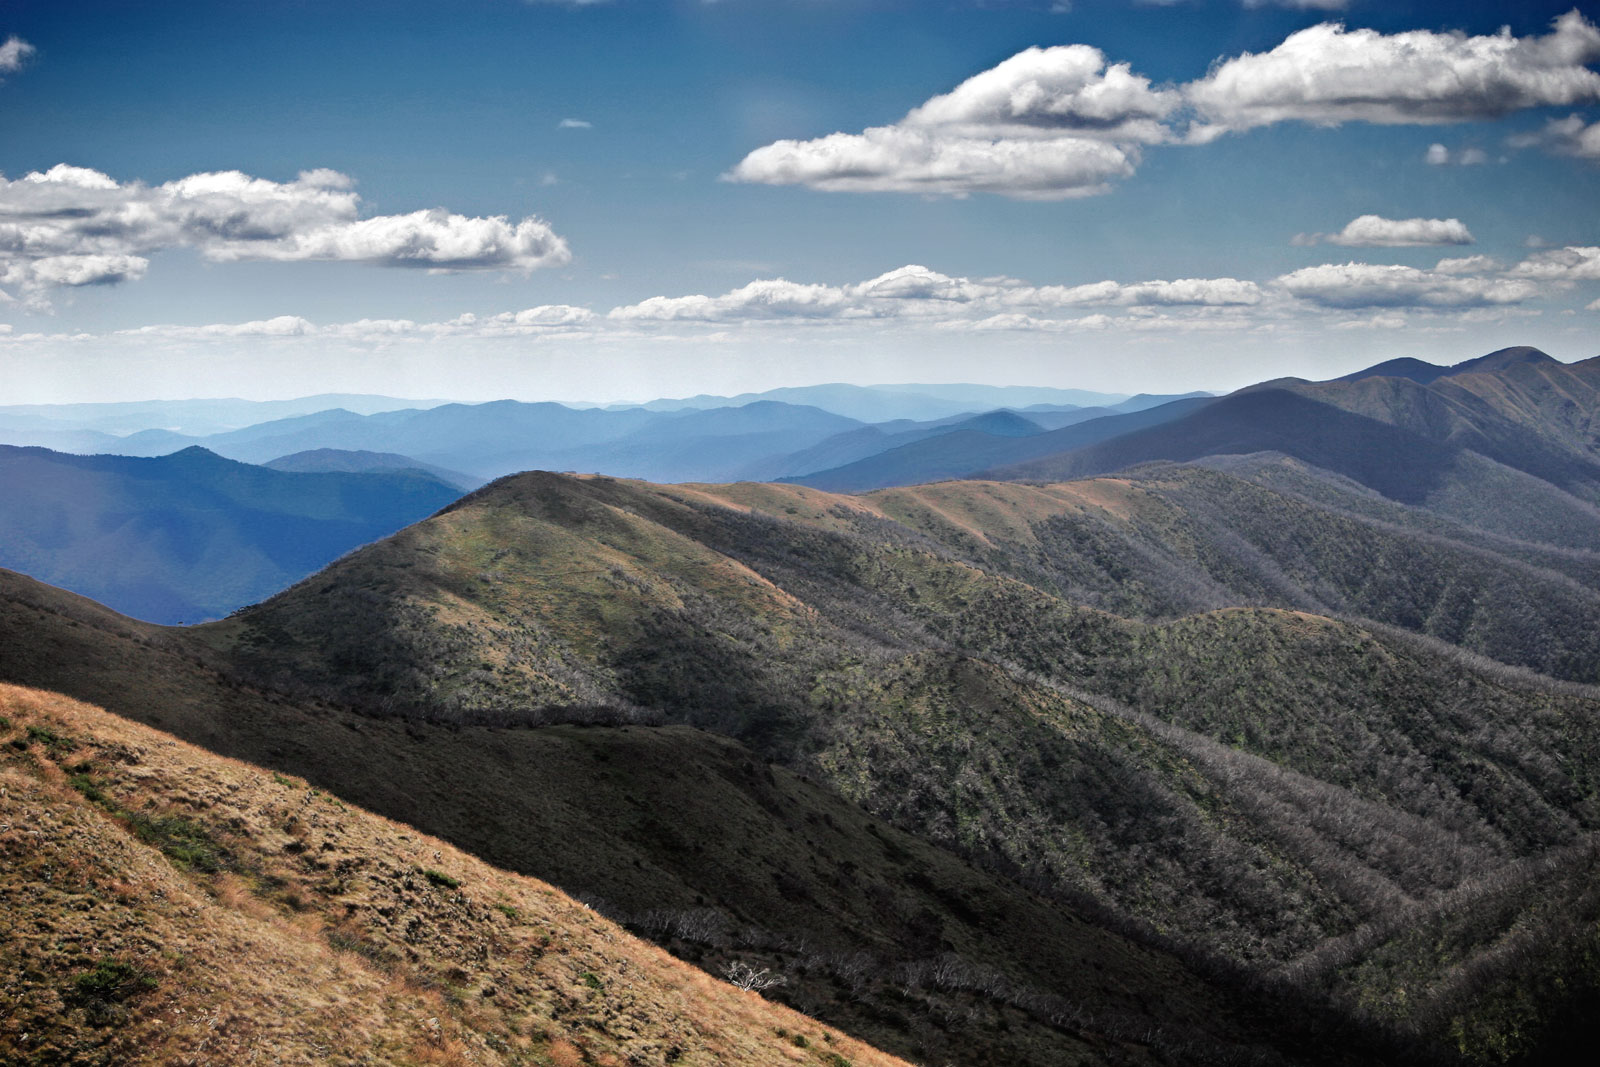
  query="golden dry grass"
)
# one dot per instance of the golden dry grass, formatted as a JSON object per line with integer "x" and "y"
{"x": 164, "y": 905}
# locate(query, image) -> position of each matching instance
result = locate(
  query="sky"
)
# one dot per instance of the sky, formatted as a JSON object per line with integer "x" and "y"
{"x": 616, "y": 200}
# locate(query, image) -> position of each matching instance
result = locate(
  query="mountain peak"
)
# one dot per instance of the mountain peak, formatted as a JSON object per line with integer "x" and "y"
{"x": 1501, "y": 359}
{"x": 1415, "y": 370}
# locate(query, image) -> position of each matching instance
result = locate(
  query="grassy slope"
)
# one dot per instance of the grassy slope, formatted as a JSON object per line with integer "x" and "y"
{"x": 700, "y": 844}
{"x": 167, "y": 905}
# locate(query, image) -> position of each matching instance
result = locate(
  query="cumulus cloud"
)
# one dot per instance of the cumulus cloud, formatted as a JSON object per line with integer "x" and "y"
{"x": 1375, "y": 231}
{"x": 1329, "y": 75}
{"x": 12, "y": 54}
{"x": 1570, "y": 136}
{"x": 75, "y": 226}
{"x": 1046, "y": 91}
{"x": 916, "y": 292}
{"x": 773, "y": 299}
{"x": 1195, "y": 292}
{"x": 1047, "y": 123}
{"x": 1374, "y": 285}
{"x": 1469, "y": 265}
{"x": 1574, "y": 263}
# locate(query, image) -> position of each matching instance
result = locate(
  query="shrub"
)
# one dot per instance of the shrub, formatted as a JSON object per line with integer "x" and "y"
{"x": 440, "y": 879}
{"x": 113, "y": 980}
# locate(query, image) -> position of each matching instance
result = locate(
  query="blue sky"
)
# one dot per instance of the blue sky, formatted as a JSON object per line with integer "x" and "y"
{"x": 627, "y": 199}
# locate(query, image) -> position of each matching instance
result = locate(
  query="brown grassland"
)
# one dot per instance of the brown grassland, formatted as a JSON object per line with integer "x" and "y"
{"x": 165, "y": 905}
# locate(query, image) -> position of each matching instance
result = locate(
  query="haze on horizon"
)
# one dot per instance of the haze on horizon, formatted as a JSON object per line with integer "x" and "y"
{"x": 617, "y": 201}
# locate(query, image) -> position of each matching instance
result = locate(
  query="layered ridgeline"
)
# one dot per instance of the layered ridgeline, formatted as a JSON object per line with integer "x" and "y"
{"x": 780, "y": 433}
{"x": 193, "y": 536}
{"x": 164, "y": 905}
{"x": 987, "y": 668}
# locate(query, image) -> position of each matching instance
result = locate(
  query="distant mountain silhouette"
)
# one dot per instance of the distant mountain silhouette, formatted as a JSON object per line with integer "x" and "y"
{"x": 192, "y": 535}
{"x": 963, "y": 451}
{"x": 335, "y": 459}
{"x": 1399, "y": 464}
{"x": 506, "y": 436}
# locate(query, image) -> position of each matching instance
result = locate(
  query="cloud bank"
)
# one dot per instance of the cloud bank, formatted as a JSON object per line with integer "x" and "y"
{"x": 1061, "y": 122}
{"x": 71, "y": 226}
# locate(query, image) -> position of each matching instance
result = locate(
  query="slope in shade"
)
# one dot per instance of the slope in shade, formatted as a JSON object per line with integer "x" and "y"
{"x": 699, "y": 842}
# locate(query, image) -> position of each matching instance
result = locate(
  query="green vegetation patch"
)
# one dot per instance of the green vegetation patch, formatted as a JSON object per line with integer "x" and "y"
{"x": 112, "y": 981}
{"x": 186, "y": 843}
{"x": 440, "y": 879}
{"x": 54, "y": 743}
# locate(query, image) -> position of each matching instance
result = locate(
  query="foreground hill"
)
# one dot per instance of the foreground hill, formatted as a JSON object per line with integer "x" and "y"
{"x": 191, "y": 536}
{"x": 167, "y": 905}
{"x": 701, "y": 844}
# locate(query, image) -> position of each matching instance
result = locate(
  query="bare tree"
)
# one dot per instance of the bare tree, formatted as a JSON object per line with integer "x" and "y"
{"x": 749, "y": 979}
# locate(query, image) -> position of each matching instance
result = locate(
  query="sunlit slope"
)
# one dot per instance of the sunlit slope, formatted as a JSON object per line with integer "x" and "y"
{"x": 165, "y": 904}
{"x": 1167, "y": 540}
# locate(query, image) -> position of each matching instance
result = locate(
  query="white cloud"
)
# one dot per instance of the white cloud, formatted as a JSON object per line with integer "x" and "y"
{"x": 1196, "y": 292}
{"x": 1047, "y": 124}
{"x": 1329, "y": 75}
{"x": 1374, "y": 285}
{"x": 916, "y": 292}
{"x": 1570, "y": 136}
{"x": 75, "y": 226}
{"x": 12, "y": 54}
{"x": 280, "y": 326}
{"x": 1375, "y": 231}
{"x": 773, "y": 299}
{"x": 894, "y": 159}
{"x": 1469, "y": 265}
{"x": 88, "y": 270}
{"x": 1573, "y": 263}
{"x": 574, "y": 124}
{"x": 1041, "y": 92}
{"x": 1437, "y": 155}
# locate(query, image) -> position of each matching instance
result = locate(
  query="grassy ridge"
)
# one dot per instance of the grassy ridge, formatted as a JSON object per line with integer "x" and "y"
{"x": 311, "y": 932}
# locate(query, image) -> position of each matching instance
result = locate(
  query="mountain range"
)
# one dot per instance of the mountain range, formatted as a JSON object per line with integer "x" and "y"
{"x": 1262, "y": 729}
{"x": 760, "y": 436}
{"x": 192, "y": 536}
